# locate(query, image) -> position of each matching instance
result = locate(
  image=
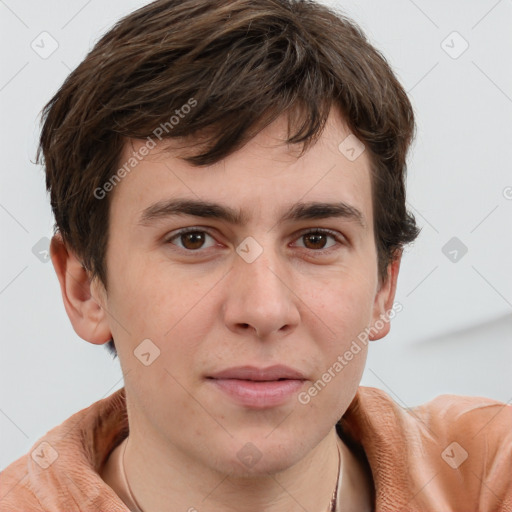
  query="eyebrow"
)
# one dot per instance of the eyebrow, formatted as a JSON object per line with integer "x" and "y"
{"x": 205, "y": 209}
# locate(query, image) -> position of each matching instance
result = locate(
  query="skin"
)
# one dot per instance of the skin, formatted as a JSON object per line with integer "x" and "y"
{"x": 292, "y": 305}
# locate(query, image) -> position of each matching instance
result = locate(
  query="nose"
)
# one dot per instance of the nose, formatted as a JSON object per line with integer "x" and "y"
{"x": 260, "y": 298}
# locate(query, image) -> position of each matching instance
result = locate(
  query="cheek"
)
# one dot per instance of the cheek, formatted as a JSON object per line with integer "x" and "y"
{"x": 345, "y": 315}
{"x": 343, "y": 305}
{"x": 171, "y": 309}
{"x": 151, "y": 297}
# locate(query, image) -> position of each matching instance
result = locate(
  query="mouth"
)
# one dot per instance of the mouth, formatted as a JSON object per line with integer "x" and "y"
{"x": 258, "y": 388}
{"x": 252, "y": 373}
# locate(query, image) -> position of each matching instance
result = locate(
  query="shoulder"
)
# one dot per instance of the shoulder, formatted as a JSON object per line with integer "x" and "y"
{"x": 468, "y": 421}
{"x": 474, "y": 437}
{"x": 450, "y": 451}
{"x": 467, "y": 417}
{"x": 61, "y": 469}
{"x": 475, "y": 429}
{"x": 15, "y": 491}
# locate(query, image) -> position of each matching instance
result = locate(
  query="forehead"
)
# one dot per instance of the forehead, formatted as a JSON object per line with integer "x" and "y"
{"x": 264, "y": 178}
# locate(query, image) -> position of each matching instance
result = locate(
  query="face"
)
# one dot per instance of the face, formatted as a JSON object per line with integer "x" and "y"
{"x": 280, "y": 285}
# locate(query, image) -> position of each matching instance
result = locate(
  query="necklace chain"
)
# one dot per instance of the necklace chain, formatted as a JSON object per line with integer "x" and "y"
{"x": 332, "y": 506}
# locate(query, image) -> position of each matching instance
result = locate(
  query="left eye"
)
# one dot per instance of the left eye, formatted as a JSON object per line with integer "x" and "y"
{"x": 318, "y": 239}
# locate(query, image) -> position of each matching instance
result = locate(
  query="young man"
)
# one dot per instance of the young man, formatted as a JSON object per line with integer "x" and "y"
{"x": 227, "y": 179}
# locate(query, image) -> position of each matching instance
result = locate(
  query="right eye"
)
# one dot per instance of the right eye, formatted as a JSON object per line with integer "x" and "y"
{"x": 191, "y": 239}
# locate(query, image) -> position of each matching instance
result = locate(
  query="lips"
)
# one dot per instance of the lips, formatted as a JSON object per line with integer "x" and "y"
{"x": 252, "y": 373}
{"x": 258, "y": 388}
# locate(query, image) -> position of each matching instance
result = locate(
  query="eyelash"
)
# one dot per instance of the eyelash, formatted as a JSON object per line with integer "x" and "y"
{"x": 320, "y": 231}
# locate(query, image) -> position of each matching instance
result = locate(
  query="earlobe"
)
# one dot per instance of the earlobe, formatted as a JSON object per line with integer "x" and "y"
{"x": 79, "y": 294}
{"x": 383, "y": 303}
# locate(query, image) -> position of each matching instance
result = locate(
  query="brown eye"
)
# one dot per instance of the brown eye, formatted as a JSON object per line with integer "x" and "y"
{"x": 190, "y": 240}
{"x": 315, "y": 240}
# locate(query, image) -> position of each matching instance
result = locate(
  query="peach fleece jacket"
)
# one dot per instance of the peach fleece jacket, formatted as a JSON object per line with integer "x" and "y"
{"x": 453, "y": 453}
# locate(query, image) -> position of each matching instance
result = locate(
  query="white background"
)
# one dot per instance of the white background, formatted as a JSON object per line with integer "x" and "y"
{"x": 455, "y": 331}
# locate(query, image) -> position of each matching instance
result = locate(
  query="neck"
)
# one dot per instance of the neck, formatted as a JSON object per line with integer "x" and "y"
{"x": 159, "y": 474}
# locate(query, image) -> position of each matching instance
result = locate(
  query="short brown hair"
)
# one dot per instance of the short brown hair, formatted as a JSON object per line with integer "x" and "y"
{"x": 244, "y": 63}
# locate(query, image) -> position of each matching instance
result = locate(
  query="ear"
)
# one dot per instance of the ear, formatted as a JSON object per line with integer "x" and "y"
{"x": 384, "y": 300}
{"x": 83, "y": 299}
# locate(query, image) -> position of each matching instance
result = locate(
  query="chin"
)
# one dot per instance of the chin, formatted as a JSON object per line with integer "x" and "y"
{"x": 258, "y": 458}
